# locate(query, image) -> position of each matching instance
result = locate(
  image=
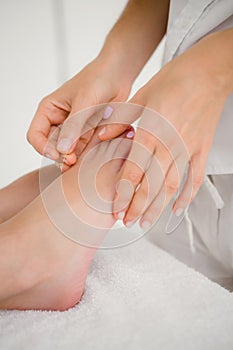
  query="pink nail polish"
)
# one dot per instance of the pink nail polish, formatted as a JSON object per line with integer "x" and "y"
{"x": 130, "y": 134}
{"x": 108, "y": 112}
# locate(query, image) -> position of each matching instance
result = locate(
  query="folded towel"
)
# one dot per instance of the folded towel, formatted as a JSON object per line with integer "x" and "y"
{"x": 137, "y": 297}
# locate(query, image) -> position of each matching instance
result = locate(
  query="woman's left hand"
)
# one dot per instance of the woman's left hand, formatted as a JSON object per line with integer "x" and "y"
{"x": 188, "y": 95}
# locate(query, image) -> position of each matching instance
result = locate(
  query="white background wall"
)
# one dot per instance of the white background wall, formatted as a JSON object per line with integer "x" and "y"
{"x": 43, "y": 43}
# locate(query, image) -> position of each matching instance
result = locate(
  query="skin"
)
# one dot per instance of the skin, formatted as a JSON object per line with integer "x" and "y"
{"x": 108, "y": 77}
{"x": 189, "y": 92}
{"x": 42, "y": 268}
{"x": 23, "y": 190}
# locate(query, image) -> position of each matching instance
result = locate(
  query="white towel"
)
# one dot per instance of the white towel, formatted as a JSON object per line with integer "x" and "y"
{"x": 137, "y": 297}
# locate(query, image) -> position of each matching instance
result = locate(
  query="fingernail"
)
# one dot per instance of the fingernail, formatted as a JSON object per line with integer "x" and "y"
{"x": 146, "y": 225}
{"x": 130, "y": 134}
{"x": 178, "y": 212}
{"x": 129, "y": 223}
{"x": 51, "y": 154}
{"x": 102, "y": 131}
{"x": 121, "y": 215}
{"x": 64, "y": 145}
{"x": 107, "y": 113}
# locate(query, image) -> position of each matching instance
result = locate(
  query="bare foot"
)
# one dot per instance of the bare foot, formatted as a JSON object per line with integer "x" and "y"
{"x": 40, "y": 267}
{"x": 20, "y": 193}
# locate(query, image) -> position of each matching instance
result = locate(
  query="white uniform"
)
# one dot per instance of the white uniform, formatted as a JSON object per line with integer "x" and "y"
{"x": 211, "y": 213}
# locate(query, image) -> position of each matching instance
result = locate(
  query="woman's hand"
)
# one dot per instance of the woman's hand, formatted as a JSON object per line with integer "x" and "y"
{"x": 108, "y": 78}
{"x": 98, "y": 82}
{"x": 188, "y": 95}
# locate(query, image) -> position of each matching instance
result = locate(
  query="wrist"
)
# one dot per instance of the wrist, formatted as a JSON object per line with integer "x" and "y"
{"x": 113, "y": 58}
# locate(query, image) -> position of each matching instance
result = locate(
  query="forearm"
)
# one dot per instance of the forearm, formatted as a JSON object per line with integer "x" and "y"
{"x": 221, "y": 49}
{"x": 24, "y": 190}
{"x": 211, "y": 59}
{"x": 136, "y": 35}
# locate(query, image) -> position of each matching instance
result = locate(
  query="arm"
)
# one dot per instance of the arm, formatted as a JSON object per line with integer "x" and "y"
{"x": 136, "y": 35}
{"x": 108, "y": 78}
{"x": 189, "y": 94}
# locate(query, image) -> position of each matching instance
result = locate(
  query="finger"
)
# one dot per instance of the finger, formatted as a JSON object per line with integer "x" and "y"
{"x": 147, "y": 191}
{"x": 121, "y": 116}
{"x": 49, "y": 113}
{"x": 51, "y": 141}
{"x": 193, "y": 182}
{"x": 133, "y": 170}
{"x": 77, "y": 125}
{"x": 83, "y": 142}
{"x": 154, "y": 211}
{"x": 130, "y": 132}
{"x": 169, "y": 188}
{"x": 151, "y": 184}
{"x": 70, "y": 159}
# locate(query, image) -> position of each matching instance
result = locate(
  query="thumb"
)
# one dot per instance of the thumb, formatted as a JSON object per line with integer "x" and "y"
{"x": 122, "y": 116}
{"x": 75, "y": 126}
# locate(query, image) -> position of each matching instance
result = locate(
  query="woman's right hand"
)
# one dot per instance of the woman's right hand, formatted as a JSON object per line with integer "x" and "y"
{"x": 99, "y": 82}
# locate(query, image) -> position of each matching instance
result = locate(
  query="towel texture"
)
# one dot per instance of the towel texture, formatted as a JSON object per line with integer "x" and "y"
{"x": 137, "y": 297}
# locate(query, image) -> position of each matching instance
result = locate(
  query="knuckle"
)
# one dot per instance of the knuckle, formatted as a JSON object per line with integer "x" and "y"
{"x": 44, "y": 102}
{"x": 172, "y": 186}
{"x": 144, "y": 192}
{"x": 197, "y": 181}
{"x": 133, "y": 176}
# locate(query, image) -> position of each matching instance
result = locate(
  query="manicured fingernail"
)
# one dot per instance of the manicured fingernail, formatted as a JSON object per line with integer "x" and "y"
{"x": 64, "y": 145}
{"x": 178, "y": 212}
{"x": 108, "y": 112}
{"x": 130, "y": 134}
{"x": 129, "y": 223}
{"x": 51, "y": 154}
{"x": 102, "y": 131}
{"x": 121, "y": 215}
{"x": 146, "y": 225}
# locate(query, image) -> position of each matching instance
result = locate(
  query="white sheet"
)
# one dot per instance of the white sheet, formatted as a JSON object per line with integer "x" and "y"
{"x": 137, "y": 297}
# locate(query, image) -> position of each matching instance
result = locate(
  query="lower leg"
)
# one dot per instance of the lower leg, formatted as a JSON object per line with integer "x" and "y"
{"x": 21, "y": 192}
